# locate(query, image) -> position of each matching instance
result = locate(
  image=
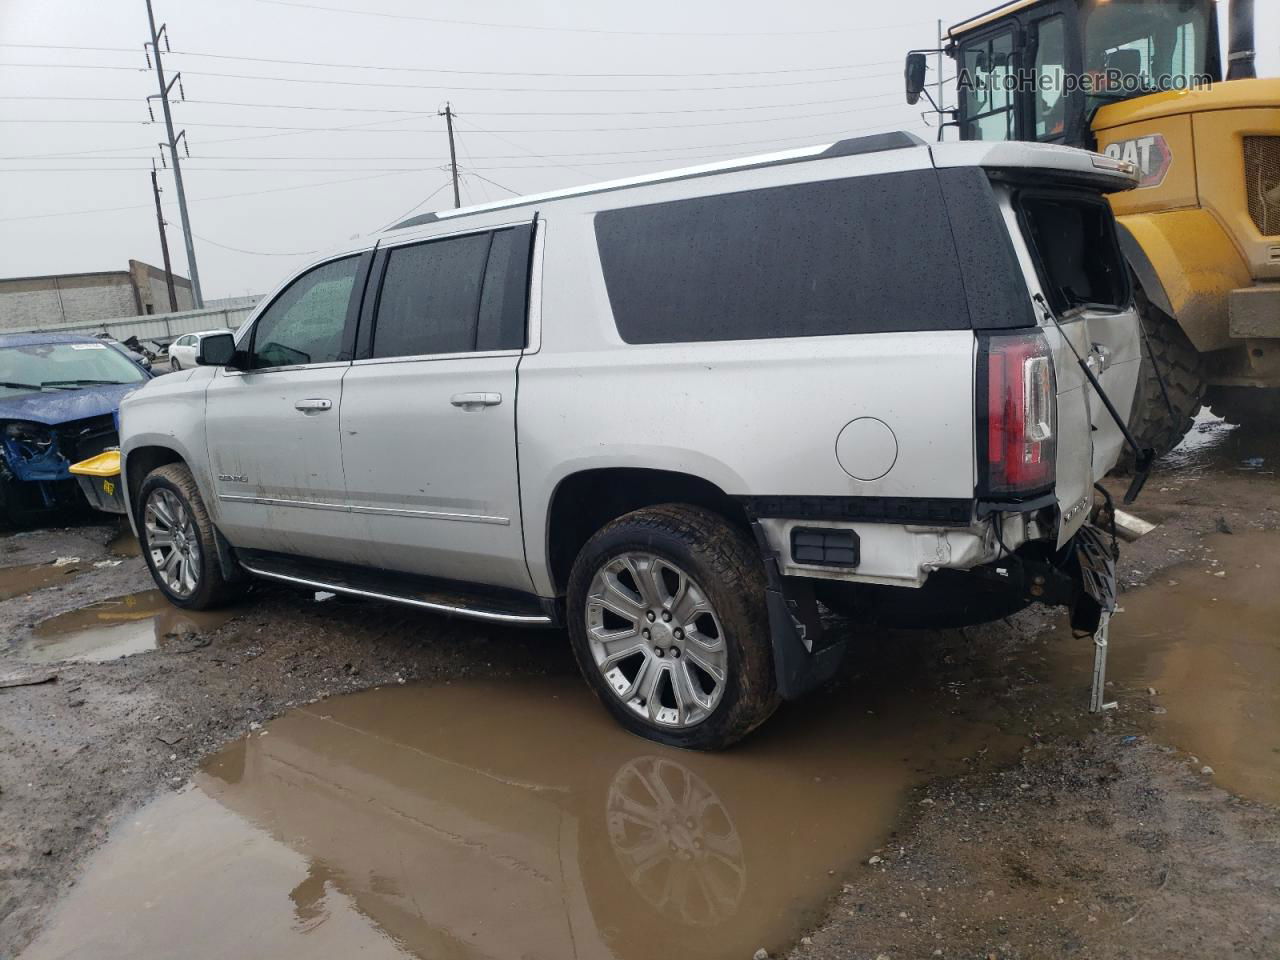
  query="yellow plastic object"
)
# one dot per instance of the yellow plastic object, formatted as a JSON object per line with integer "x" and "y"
{"x": 103, "y": 465}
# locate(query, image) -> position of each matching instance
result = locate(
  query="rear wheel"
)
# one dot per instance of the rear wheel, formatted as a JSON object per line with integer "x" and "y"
{"x": 177, "y": 540}
{"x": 1165, "y": 348}
{"x": 1254, "y": 408}
{"x": 667, "y": 617}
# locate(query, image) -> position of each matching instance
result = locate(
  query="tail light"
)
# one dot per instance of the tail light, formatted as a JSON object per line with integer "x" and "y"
{"x": 1017, "y": 413}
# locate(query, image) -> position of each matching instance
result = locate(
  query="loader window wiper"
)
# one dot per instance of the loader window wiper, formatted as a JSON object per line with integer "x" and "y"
{"x": 1143, "y": 456}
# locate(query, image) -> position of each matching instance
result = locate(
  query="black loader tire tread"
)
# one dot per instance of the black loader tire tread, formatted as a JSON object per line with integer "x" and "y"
{"x": 730, "y": 556}
{"x": 213, "y": 590}
{"x": 1151, "y": 421}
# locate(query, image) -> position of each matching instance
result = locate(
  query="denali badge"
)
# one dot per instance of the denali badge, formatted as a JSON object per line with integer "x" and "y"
{"x": 1073, "y": 511}
{"x": 233, "y": 477}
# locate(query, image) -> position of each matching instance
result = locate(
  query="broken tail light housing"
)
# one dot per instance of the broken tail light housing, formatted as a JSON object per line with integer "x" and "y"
{"x": 1017, "y": 414}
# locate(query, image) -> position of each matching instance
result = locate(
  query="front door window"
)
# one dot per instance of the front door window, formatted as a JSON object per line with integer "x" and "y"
{"x": 986, "y": 84}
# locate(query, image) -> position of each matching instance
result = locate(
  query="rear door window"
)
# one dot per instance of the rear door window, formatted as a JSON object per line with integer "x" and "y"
{"x": 867, "y": 254}
{"x": 1077, "y": 254}
{"x": 454, "y": 295}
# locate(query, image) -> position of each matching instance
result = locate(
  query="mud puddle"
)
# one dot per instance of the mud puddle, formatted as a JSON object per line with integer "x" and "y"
{"x": 1212, "y": 444}
{"x": 508, "y": 819}
{"x": 21, "y": 580}
{"x": 124, "y": 543}
{"x": 1206, "y": 637}
{"x": 116, "y": 628}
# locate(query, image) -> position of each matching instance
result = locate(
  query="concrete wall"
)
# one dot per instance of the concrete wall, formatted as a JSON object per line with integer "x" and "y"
{"x": 38, "y": 303}
{"x": 153, "y": 292}
{"x": 29, "y": 303}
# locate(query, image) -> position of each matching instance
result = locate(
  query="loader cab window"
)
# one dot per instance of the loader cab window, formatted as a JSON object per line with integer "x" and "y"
{"x": 1136, "y": 47}
{"x": 1050, "y": 67}
{"x": 987, "y": 68}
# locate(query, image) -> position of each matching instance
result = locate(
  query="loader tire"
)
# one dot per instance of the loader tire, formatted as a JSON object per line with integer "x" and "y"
{"x": 1166, "y": 348}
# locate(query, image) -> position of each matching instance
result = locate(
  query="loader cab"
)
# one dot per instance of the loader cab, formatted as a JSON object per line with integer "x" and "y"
{"x": 1038, "y": 70}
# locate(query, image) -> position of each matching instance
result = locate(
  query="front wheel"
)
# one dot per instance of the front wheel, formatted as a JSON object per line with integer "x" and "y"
{"x": 174, "y": 365}
{"x": 177, "y": 540}
{"x": 666, "y": 611}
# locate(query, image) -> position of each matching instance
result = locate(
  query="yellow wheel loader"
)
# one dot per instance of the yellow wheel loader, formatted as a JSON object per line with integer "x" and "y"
{"x": 1142, "y": 80}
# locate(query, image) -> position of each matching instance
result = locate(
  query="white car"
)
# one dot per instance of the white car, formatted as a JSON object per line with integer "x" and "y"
{"x": 673, "y": 413}
{"x": 183, "y": 351}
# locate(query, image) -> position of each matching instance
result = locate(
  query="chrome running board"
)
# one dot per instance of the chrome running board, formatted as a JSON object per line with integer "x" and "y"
{"x": 395, "y": 588}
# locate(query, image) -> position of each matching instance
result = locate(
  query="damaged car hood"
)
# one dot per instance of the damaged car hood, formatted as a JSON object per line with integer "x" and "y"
{"x": 53, "y": 407}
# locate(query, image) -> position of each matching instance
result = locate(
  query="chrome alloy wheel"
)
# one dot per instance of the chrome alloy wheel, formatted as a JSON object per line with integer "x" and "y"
{"x": 656, "y": 639}
{"x": 172, "y": 541}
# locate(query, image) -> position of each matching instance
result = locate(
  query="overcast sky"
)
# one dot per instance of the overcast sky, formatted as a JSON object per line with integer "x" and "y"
{"x": 548, "y": 95}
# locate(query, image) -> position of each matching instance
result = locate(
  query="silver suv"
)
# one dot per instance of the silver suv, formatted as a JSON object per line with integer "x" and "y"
{"x": 674, "y": 414}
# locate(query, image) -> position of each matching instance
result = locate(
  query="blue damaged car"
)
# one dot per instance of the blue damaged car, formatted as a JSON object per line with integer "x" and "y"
{"x": 59, "y": 404}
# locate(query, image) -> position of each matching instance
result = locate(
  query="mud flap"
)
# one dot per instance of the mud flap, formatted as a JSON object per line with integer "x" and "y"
{"x": 804, "y": 656}
{"x": 1095, "y": 602}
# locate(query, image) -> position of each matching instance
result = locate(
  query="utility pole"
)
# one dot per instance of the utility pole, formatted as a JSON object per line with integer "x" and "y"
{"x": 448, "y": 115}
{"x": 164, "y": 242}
{"x": 163, "y": 97}
{"x": 941, "y": 116}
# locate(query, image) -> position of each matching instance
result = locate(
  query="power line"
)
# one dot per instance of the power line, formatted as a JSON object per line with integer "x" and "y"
{"x": 526, "y": 73}
{"x": 257, "y": 253}
{"x": 225, "y": 196}
{"x": 488, "y": 113}
{"x": 415, "y": 208}
{"x": 522, "y": 89}
{"x": 589, "y": 30}
{"x": 289, "y": 131}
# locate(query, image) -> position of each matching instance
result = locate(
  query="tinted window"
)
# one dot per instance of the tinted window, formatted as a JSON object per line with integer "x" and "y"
{"x": 1077, "y": 253}
{"x": 306, "y": 323}
{"x": 504, "y": 303}
{"x": 863, "y": 255}
{"x": 431, "y": 297}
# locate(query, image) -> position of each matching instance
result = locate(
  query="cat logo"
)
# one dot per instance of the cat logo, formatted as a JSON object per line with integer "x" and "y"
{"x": 1151, "y": 154}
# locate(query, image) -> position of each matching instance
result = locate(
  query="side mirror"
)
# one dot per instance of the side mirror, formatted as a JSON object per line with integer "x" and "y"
{"x": 217, "y": 350}
{"x": 914, "y": 73}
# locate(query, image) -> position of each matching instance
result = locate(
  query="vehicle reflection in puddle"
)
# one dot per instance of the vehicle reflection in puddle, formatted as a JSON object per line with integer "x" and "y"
{"x": 1204, "y": 635}
{"x": 1214, "y": 443}
{"x": 17, "y": 581}
{"x": 508, "y": 820}
{"x": 116, "y": 628}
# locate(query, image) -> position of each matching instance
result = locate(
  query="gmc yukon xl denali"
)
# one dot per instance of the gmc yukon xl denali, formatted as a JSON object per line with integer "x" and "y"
{"x": 673, "y": 414}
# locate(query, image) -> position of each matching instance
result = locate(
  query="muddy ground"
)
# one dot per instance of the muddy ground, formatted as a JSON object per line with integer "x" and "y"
{"x": 960, "y": 801}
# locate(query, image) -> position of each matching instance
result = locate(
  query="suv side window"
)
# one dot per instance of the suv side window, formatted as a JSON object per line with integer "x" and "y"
{"x": 307, "y": 323}
{"x": 455, "y": 295}
{"x": 869, "y": 254}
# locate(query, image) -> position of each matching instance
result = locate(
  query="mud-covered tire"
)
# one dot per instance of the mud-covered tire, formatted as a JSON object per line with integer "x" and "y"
{"x": 211, "y": 589}
{"x": 726, "y": 567}
{"x": 1167, "y": 348}
{"x": 1254, "y": 408}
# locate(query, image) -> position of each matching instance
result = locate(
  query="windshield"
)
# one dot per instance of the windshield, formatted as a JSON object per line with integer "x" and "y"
{"x": 62, "y": 366}
{"x": 1136, "y": 47}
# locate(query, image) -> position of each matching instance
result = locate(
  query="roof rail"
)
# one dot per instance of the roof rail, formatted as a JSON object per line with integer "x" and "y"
{"x": 852, "y": 146}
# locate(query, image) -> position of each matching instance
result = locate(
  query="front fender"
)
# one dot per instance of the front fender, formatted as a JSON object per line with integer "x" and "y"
{"x": 167, "y": 414}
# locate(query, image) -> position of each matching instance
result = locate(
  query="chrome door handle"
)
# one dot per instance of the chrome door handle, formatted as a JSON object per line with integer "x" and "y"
{"x": 315, "y": 403}
{"x": 473, "y": 401}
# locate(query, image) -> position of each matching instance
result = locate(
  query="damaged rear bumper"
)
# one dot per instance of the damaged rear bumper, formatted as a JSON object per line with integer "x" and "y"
{"x": 1080, "y": 577}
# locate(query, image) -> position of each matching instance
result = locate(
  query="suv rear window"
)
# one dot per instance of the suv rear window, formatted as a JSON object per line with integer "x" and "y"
{"x": 869, "y": 254}
{"x": 1077, "y": 254}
